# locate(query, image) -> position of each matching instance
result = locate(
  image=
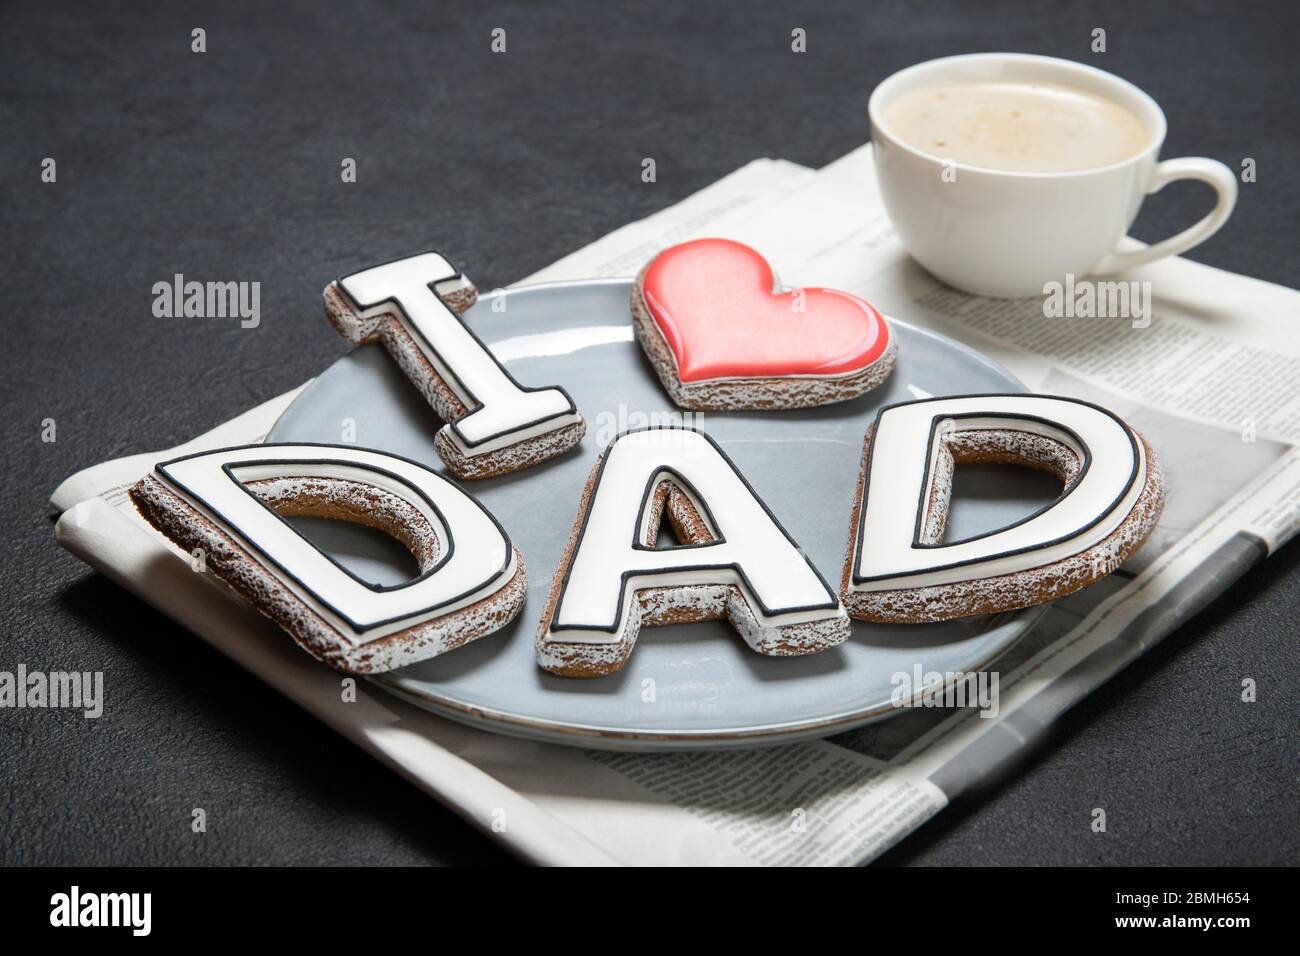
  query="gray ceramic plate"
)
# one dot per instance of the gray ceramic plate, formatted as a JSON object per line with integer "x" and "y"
{"x": 685, "y": 687}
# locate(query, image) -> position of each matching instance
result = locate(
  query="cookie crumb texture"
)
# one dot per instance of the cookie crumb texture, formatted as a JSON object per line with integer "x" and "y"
{"x": 387, "y": 330}
{"x": 1006, "y": 592}
{"x": 335, "y": 498}
{"x": 690, "y": 604}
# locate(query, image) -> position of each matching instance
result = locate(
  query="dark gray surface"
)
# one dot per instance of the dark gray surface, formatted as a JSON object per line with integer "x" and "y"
{"x": 225, "y": 166}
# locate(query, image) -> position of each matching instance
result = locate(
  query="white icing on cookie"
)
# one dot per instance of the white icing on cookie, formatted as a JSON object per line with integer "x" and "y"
{"x": 750, "y": 550}
{"x": 475, "y": 558}
{"x": 890, "y": 549}
{"x": 501, "y": 411}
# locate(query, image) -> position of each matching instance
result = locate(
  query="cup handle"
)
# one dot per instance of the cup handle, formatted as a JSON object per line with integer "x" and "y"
{"x": 1192, "y": 167}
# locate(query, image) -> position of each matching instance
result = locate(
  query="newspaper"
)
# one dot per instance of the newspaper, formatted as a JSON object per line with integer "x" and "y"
{"x": 1212, "y": 381}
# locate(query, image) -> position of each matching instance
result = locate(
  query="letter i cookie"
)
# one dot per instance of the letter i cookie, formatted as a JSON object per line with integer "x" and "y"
{"x": 494, "y": 424}
{"x": 723, "y": 336}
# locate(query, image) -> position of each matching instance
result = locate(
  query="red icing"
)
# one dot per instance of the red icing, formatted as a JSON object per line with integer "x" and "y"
{"x": 712, "y": 299}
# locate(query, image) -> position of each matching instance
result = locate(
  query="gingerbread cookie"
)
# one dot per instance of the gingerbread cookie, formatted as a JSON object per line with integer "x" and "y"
{"x": 899, "y": 569}
{"x": 494, "y": 424}
{"x": 226, "y": 506}
{"x": 735, "y": 561}
{"x": 723, "y": 336}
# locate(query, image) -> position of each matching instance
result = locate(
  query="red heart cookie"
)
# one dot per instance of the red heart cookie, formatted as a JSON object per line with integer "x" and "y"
{"x": 720, "y": 337}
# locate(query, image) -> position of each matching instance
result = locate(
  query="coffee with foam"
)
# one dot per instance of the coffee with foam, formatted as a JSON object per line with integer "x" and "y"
{"x": 1017, "y": 127}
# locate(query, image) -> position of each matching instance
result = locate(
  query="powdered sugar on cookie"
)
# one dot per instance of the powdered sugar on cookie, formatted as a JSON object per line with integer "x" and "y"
{"x": 494, "y": 424}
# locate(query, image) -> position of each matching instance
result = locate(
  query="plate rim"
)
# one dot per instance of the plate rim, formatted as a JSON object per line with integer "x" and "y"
{"x": 592, "y": 736}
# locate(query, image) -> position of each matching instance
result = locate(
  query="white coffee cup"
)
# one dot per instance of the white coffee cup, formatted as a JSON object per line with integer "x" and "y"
{"x": 1000, "y": 233}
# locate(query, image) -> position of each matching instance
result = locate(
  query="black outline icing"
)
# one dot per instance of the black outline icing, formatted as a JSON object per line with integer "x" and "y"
{"x": 231, "y": 467}
{"x": 228, "y": 527}
{"x": 856, "y": 579}
{"x": 928, "y": 477}
{"x": 410, "y": 326}
{"x": 627, "y": 574}
{"x": 652, "y": 485}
